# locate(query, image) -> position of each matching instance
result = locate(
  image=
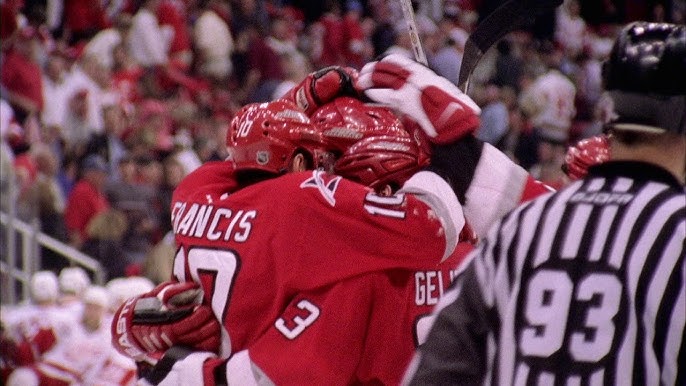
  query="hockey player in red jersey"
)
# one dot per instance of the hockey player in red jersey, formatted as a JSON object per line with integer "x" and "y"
{"x": 347, "y": 249}
{"x": 280, "y": 270}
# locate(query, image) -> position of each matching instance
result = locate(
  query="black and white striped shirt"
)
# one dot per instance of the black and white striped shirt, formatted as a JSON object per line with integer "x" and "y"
{"x": 583, "y": 286}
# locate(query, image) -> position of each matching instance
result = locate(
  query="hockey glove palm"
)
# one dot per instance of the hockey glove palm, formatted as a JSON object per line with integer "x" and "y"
{"x": 323, "y": 86}
{"x": 443, "y": 112}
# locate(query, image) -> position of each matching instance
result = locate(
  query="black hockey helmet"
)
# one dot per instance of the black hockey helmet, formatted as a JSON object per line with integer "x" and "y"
{"x": 645, "y": 76}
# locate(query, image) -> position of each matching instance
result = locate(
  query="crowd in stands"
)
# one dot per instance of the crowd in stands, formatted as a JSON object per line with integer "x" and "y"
{"x": 106, "y": 105}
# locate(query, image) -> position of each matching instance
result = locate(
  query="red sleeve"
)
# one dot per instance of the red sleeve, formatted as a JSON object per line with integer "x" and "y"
{"x": 8, "y": 71}
{"x": 534, "y": 188}
{"x": 76, "y": 214}
{"x": 169, "y": 15}
{"x": 44, "y": 340}
{"x": 319, "y": 337}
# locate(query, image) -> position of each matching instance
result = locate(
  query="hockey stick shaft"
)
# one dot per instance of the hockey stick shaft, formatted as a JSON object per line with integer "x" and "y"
{"x": 510, "y": 16}
{"x": 417, "y": 48}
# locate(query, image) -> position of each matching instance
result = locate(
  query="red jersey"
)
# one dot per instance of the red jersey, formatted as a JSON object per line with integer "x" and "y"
{"x": 333, "y": 41}
{"x": 21, "y": 75}
{"x": 84, "y": 202}
{"x": 309, "y": 272}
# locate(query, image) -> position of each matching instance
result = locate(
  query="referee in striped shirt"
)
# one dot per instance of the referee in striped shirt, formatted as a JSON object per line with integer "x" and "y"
{"x": 586, "y": 286}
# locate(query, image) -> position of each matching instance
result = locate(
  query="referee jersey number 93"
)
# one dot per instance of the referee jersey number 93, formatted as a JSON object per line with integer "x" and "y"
{"x": 583, "y": 286}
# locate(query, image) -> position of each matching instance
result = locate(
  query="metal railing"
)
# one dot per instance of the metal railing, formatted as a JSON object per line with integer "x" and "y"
{"x": 29, "y": 256}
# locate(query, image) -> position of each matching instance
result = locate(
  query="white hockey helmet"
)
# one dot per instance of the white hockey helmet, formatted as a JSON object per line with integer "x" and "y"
{"x": 44, "y": 287}
{"x": 96, "y": 295}
{"x": 73, "y": 281}
{"x": 138, "y": 285}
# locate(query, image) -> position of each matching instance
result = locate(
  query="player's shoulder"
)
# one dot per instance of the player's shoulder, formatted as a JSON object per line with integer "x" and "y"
{"x": 318, "y": 186}
{"x": 208, "y": 178}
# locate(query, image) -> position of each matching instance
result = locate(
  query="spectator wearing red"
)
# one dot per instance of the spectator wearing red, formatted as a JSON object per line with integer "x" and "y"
{"x": 173, "y": 13}
{"x": 356, "y": 43}
{"x": 21, "y": 77}
{"x": 8, "y": 15}
{"x": 260, "y": 64}
{"x": 25, "y": 170}
{"x": 86, "y": 199}
{"x": 331, "y": 36}
{"x": 126, "y": 76}
{"x": 83, "y": 19}
{"x": 149, "y": 41}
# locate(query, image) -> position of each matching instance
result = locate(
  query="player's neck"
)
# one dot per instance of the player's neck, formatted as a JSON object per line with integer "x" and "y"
{"x": 668, "y": 153}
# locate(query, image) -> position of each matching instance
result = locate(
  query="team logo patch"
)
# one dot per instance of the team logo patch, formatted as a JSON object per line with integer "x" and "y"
{"x": 326, "y": 188}
{"x": 262, "y": 157}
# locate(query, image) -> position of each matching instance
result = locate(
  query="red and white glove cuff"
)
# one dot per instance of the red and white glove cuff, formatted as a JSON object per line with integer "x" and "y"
{"x": 123, "y": 339}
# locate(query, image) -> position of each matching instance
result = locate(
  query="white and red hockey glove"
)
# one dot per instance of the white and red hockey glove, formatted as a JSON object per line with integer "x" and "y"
{"x": 323, "y": 86}
{"x": 584, "y": 154}
{"x": 443, "y": 112}
{"x": 171, "y": 314}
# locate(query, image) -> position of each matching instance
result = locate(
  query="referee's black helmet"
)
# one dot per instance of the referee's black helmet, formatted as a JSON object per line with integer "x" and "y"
{"x": 645, "y": 76}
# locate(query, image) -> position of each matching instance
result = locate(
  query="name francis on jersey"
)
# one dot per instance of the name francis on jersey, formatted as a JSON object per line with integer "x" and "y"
{"x": 212, "y": 223}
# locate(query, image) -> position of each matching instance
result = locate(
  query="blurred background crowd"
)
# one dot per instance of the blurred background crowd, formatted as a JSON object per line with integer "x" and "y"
{"x": 107, "y": 104}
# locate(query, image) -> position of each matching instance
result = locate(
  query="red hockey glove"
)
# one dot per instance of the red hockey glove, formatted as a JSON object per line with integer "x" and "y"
{"x": 322, "y": 86}
{"x": 171, "y": 314}
{"x": 584, "y": 154}
{"x": 443, "y": 112}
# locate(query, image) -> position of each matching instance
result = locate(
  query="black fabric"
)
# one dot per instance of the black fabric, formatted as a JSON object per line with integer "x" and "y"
{"x": 456, "y": 163}
{"x": 220, "y": 375}
{"x": 641, "y": 171}
{"x": 164, "y": 366}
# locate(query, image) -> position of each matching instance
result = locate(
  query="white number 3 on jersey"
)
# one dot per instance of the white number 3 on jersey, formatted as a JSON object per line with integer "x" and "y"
{"x": 298, "y": 323}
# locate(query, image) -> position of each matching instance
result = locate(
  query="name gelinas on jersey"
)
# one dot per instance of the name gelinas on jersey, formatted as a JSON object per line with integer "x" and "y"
{"x": 429, "y": 286}
{"x": 212, "y": 223}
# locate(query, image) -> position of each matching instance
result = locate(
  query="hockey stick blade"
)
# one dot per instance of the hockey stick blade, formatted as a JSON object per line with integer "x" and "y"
{"x": 511, "y": 15}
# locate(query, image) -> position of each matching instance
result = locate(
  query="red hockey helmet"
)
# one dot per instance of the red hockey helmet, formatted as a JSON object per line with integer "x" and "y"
{"x": 380, "y": 160}
{"x": 266, "y": 136}
{"x": 374, "y": 147}
{"x": 346, "y": 120}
